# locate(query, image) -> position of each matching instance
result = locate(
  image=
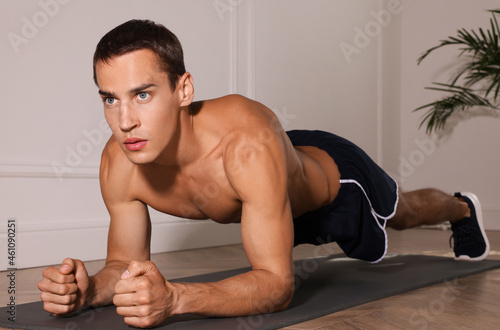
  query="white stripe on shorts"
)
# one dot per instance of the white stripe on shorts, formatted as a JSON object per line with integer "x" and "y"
{"x": 377, "y": 216}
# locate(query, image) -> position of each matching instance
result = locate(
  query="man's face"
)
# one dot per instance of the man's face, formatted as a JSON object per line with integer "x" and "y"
{"x": 139, "y": 105}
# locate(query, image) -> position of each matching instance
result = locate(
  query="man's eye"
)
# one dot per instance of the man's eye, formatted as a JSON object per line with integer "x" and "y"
{"x": 143, "y": 96}
{"x": 110, "y": 100}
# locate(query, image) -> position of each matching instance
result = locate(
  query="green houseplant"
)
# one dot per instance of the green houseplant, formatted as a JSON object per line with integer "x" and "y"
{"x": 475, "y": 84}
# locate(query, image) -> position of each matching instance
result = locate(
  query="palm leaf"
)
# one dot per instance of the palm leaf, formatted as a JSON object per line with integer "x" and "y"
{"x": 479, "y": 77}
{"x": 461, "y": 99}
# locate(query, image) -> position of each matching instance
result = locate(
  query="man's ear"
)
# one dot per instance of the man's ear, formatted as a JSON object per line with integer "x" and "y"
{"x": 185, "y": 88}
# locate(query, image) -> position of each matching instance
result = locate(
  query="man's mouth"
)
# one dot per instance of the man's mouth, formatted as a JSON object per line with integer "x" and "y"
{"x": 135, "y": 144}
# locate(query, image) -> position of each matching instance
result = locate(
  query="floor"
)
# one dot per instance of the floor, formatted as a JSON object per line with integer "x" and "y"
{"x": 469, "y": 303}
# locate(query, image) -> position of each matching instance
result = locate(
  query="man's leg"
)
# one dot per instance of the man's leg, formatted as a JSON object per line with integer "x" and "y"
{"x": 431, "y": 206}
{"x": 427, "y": 207}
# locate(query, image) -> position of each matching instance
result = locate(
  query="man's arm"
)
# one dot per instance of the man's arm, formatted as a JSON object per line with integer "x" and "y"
{"x": 257, "y": 173}
{"x": 128, "y": 239}
{"x": 129, "y": 232}
{"x": 68, "y": 288}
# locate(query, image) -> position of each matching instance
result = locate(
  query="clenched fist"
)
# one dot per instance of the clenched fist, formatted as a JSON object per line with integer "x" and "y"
{"x": 65, "y": 288}
{"x": 143, "y": 296}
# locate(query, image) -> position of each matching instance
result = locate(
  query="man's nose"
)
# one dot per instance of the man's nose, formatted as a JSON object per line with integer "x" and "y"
{"x": 128, "y": 119}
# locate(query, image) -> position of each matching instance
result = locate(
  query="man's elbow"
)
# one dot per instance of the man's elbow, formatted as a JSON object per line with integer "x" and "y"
{"x": 288, "y": 299}
{"x": 281, "y": 298}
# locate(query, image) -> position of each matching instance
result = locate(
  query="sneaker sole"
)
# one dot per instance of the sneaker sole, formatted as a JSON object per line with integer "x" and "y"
{"x": 479, "y": 216}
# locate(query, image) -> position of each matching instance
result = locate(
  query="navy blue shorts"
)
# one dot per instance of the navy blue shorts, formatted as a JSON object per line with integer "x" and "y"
{"x": 367, "y": 198}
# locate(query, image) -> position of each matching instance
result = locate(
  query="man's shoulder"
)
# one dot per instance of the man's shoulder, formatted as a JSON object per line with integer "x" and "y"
{"x": 234, "y": 104}
{"x": 239, "y": 115}
{"x": 245, "y": 124}
{"x": 234, "y": 98}
{"x": 252, "y": 148}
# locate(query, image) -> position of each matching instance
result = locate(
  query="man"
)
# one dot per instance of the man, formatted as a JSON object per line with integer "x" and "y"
{"x": 286, "y": 188}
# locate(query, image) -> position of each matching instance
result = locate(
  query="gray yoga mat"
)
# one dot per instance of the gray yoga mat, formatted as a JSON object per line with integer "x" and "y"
{"x": 324, "y": 286}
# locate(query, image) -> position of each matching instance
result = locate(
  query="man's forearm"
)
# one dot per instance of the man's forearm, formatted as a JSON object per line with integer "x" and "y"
{"x": 255, "y": 292}
{"x": 101, "y": 290}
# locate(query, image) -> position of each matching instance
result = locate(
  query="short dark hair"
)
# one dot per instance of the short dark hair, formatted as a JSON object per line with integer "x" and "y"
{"x": 143, "y": 34}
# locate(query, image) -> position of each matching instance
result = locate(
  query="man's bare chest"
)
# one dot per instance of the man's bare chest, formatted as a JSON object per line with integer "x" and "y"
{"x": 197, "y": 193}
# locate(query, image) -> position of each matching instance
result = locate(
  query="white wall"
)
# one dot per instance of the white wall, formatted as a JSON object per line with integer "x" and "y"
{"x": 319, "y": 64}
{"x": 466, "y": 159}
{"x": 52, "y": 121}
{"x": 302, "y": 71}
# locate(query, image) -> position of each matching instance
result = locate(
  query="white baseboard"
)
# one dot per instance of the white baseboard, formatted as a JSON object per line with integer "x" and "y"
{"x": 48, "y": 244}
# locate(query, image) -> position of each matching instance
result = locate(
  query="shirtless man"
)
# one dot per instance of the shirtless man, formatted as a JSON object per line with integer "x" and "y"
{"x": 285, "y": 188}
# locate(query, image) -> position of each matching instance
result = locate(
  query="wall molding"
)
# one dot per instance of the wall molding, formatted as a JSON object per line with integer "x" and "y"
{"x": 380, "y": 91}
{"x": 242, "y": 50}
{"x": 233, "y": 51}
{"x": 55, "y": 170}
{"x": 33, "y": 227}
{"x": 251, "y": 59}
{"x": 56, "y": 241}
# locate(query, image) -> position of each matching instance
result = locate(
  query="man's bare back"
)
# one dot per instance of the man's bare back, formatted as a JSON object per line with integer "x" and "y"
{"x": 201, "y": 189}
